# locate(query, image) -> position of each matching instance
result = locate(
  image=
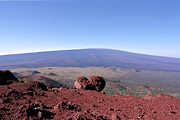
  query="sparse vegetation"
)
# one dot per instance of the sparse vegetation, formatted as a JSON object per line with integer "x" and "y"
{"x": 119, "y": 80}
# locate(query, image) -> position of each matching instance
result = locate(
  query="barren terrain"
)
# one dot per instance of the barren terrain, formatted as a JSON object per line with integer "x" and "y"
{"x": 25, "y": 100}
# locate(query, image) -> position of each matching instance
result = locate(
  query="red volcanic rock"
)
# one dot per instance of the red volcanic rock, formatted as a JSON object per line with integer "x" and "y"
{"x": 64, "y": 105}
{"x": 6, "y": 77}
{"x": 93, "y": 83}
{"x": 115, "y": 117}
{"x": 148, "y": 96}
{"x": 81, "y": 83}
{"x": 78, "y": 117}
{"x": 98, "y": 82}
{"x": 21, "y": 101}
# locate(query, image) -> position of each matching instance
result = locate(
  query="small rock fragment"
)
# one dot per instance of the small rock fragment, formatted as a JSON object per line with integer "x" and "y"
{"x": 115, "y": 117}
{"x": 67, "y": 106}
{"x": 78, "y": 117}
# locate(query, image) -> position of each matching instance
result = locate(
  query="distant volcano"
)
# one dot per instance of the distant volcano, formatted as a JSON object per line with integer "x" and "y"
{"x": 90, "y": 58}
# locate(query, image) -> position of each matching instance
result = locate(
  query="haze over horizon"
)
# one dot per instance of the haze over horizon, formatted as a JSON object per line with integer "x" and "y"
{"x": 148, "y": 27}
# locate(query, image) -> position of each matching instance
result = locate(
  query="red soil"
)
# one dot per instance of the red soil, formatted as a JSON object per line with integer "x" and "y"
{"x": 21, "y": 101}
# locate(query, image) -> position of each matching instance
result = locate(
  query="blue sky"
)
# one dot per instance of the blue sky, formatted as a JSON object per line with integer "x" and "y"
{"x": 141, "y": 26}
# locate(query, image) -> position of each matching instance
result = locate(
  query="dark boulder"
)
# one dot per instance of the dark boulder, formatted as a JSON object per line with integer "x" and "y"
{"x": 37, "y": 84}
{"x": 6, "y": 77}
{"x": 37, "y": 112}
{"x": 97, "y": 82}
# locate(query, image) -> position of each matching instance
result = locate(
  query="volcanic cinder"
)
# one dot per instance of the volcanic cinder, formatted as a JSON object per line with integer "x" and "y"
{"x": 29, "y": 101}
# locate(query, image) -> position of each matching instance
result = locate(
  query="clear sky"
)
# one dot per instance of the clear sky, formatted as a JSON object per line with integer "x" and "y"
{"x": 142, "y": 26}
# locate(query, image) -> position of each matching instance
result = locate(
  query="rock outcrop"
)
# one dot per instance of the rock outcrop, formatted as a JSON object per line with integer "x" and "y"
{"x": 6, "y": 77}
{"x": 96, "y": 83}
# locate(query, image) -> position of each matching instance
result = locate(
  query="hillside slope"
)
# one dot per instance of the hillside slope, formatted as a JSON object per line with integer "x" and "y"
{"x": 21, "y": 101}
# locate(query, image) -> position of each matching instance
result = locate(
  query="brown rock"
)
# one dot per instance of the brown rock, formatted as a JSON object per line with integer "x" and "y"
{"x": 6, "y": 77}
{"x": 93, "y": 83}
{"x": 81, "y": 83}
{"x": 98, "y": 82}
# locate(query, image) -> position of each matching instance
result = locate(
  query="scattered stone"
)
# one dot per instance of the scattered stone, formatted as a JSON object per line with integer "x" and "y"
{"x": 78, "y": 117}
{"x": 172, "y": 112}
{"x": 14, "y": 94}
{"x": 67, "y": 106}
{"x": 7, "y": 100}
{"x": 115, "y": 117}
{"x": 111, "y": 109}
{"x": 30, "y": 91}
{"x": 101, "y": 117}
{"x": 56, "y": 90}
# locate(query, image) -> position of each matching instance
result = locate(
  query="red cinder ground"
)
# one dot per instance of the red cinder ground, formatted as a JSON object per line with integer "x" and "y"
{"x": 21, "y": 101}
